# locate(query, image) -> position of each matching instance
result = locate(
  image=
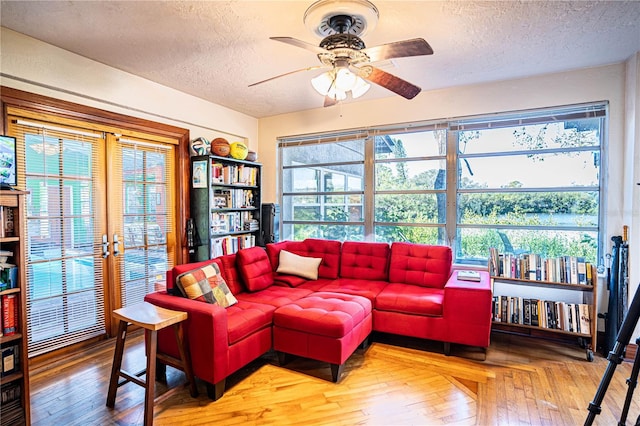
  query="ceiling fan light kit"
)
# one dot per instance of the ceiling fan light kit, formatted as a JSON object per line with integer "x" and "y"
{"x": 343, "y": 53}
{"x": 337, "y": 82}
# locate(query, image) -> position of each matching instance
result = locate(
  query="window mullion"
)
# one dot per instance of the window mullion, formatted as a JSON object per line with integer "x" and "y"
{"x": 369, "y": 188}
{"x": 452, "y": 188}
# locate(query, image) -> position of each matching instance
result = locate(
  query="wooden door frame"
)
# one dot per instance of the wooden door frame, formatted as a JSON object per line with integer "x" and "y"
{"x": 10, "y": 97}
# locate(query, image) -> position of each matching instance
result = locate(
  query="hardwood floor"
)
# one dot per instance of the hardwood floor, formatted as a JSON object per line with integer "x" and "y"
{"x": 396, "y": 381}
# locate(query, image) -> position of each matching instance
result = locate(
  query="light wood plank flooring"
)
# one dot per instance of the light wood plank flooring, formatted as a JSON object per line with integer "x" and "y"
{"x": 396, "y": 381}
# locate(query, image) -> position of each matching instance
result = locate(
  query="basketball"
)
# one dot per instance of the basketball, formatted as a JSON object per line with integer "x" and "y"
{"x": 220, "y": 147}
{"x": 251, "y": 156}
{"x": 239, "y": 150}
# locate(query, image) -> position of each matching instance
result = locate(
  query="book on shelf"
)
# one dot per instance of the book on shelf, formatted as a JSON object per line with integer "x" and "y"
{"x": 225, "y": 222}
{"x": 554, "y": 315}
{"x": 9, "y": 314}
{"x": 469, "y": 275}
{"x": 10, "y": 360}
{"x": 233, "y": 174}
{"x": 231, "y": 244}
{"x": 11, "y": 411}
{"x": 10, "y": 392}
{"x": 7, "y": 224}
{"x": 8, "y": 276}
{"x": 535, "y": 267}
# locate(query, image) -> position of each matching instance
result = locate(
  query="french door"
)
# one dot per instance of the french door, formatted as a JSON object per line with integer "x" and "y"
{"x": 99, "y": 227}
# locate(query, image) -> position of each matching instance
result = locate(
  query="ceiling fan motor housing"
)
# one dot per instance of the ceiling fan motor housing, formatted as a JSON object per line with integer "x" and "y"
{"x": 362, "y": 15}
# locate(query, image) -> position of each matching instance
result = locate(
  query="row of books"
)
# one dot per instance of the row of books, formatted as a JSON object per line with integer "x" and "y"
{"x": 231, "y": 174}
{"x": 573, "y": 317}
{"x": 9, "y": 317}
{"x": 222, "y": 223}
{"x": 10, "y": 359}
{"x": 231, "y": 244}
{"x": 11, "y": 411}
{"x": 530, "y": 266}
{"x": 8, "y": 276}
{"x": 7, "y": 227}
{"x": 233, "y": 198}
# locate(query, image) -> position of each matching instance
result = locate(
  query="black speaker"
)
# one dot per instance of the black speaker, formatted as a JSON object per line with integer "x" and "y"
{"x": 270, "y": 223}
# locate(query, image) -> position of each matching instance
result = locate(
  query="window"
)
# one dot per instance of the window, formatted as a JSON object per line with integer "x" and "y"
{"x": 323, "y": 190}
{"x": 521, "y": 182}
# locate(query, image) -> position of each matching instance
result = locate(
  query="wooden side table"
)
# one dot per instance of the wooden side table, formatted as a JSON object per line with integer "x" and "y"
{"x": 152, "y": 318}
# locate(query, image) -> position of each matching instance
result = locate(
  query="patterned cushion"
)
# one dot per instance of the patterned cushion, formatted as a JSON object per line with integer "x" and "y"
{"x": 206, "y": 285}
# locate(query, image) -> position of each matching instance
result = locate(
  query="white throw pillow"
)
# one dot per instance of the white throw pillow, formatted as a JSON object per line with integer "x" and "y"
{"x": 292, "y": 264}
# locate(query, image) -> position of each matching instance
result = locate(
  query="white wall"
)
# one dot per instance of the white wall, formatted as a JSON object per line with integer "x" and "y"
{"x": 33, "y": 66}
{"x": 632, "y": 171}
{"x": 580, "y": 86}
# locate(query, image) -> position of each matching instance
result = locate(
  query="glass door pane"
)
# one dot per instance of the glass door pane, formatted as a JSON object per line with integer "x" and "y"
{"x": 65, "y": 268}
{"x": 144, "y": 219}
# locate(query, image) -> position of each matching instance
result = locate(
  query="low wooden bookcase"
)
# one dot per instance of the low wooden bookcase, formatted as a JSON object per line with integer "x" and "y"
{"x": 515, "y": 320}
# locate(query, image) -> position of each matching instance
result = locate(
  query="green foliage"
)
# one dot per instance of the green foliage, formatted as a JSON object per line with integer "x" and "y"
{"x": 497, "y": 212}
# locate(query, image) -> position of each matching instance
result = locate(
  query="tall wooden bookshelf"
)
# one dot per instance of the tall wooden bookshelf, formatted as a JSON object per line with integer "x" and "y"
{"x": 14, "y": 380}
{"x": 225, "y": 205}
{"x": 515, "y": 321}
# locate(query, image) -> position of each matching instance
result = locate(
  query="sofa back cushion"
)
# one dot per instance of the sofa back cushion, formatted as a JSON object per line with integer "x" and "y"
{"x": 230, "y": 273}
{"x": 255, "y": 268}
{"x": 420, "y": 264}
{"x": 366, "y": 261}
{"x": 327, "y": 250}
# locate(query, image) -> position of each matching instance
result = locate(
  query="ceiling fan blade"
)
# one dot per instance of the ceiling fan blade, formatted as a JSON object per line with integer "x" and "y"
{"x": 289, "y": 73}
{"x": 389, "y": 81}
{"x": 400, "y": 49}
{"x": 299, "y": 43}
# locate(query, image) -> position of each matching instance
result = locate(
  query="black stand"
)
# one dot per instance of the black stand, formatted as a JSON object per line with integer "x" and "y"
{"x": 616, "y": 357}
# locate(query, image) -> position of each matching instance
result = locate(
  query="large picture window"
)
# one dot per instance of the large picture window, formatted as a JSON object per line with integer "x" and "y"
{"x": 526, "y": 182}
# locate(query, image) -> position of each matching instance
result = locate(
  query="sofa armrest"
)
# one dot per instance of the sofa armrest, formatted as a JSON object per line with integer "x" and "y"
{"x": 467, "y": 310}
{"x": 206, "y": 333}
{"x": 468, "y": 301}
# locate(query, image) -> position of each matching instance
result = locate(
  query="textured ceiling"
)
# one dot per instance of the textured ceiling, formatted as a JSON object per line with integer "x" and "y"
{"x": 215, "y": 49}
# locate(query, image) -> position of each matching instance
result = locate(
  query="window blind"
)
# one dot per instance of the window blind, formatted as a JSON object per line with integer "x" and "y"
{"x": 60, "y": 167}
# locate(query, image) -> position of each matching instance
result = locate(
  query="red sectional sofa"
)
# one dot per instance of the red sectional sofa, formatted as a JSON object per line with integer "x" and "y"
{"x": 412, "y": 288}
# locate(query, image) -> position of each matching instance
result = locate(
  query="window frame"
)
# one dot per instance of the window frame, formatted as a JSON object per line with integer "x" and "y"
{"x": 452, "y": 191}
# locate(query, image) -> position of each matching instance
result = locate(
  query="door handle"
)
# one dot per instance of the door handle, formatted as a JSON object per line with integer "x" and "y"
{"x": 105, "y": 246}
{"x": 116, "y": 245}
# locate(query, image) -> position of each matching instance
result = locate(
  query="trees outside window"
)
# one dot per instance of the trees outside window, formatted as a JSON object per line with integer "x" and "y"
{"x": 521, "y": 182}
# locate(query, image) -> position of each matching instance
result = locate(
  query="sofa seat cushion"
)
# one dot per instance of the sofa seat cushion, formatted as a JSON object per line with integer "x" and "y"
{"x": 255, "y": 268}
{"x": 288, "y": 280}
{"x": 245, "y": 318}
{"x": 365, "y": 260}
{"x": 420, "y": 264}
{"x": 324, "y": 314}
{"x": 275, "y": 295}
{"x": 366, "y": 288}
{"x": 316, "y": 285}
{"x": 410, "y": 299}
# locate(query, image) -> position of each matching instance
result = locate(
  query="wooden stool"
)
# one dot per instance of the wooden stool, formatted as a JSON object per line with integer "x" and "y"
{"x": 152, "y": 318}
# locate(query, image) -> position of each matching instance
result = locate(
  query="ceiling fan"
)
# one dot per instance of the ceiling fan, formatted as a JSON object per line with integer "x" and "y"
{"x": 343, "y": 53}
